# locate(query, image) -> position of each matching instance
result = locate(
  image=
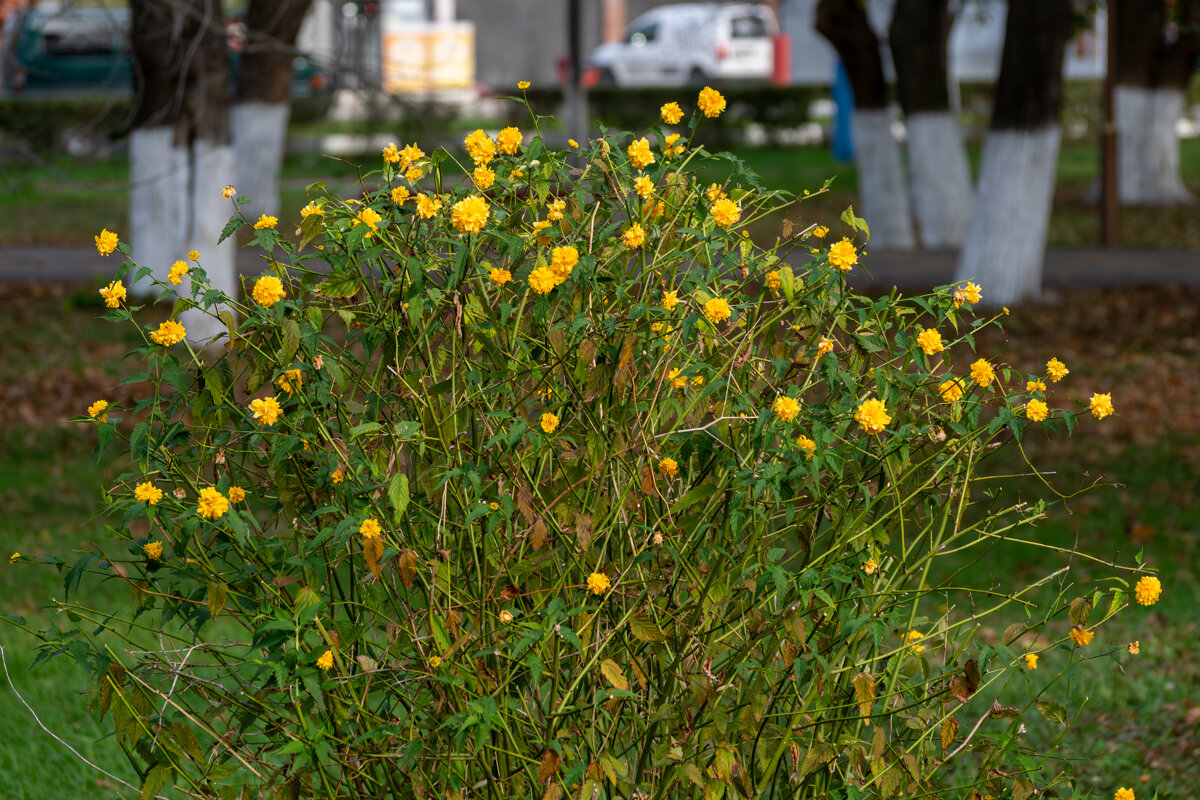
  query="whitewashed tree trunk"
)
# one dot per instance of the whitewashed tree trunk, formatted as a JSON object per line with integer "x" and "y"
{"x": 158, "y": 203}
{"x": 1148, "y": 149}
{"x": 259, "y": 140}
{"x": 1005, "y": 246}
{"x": 212, "y": 169}
{"x": 882, "y": 189}
{"x": 941, "y": 178}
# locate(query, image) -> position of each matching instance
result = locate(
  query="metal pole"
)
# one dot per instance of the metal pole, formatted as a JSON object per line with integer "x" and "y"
{"x": 1110, "y": 210}
{"x": 576, "y": 95}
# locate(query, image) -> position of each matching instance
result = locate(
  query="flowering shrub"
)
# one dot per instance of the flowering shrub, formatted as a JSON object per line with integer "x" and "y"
{"x": 530, "y": 482}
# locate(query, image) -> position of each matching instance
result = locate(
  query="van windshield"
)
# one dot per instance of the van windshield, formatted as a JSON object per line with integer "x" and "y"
{"x": 750, "y": 26}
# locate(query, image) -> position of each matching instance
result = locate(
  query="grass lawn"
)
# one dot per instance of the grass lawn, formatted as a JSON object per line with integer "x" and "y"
{"x": 64, "y": 201}
{"x": 1139, "y": 717}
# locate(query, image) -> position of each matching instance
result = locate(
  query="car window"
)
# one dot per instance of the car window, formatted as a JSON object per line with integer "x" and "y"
{"x": 642, "y": 35}
{"x": 750, "y": 26}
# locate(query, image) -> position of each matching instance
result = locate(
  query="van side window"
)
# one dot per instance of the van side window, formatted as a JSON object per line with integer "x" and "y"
{"x": 642, "y": 35}
{"x": 748, "y": 27}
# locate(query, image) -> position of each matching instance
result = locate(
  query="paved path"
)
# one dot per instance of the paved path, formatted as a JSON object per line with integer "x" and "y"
{"x": 883, "y": 269}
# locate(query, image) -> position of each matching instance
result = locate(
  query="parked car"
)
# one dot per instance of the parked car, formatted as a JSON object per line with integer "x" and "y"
{"x": 690, "y": 44}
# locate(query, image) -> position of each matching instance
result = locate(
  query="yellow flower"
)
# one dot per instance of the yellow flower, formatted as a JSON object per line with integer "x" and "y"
{"x": 1031, "y": 660}
{"x": 1101, "y": 405}
{"x": 951, "y": 389}
{"x": 820, "y": 231}
{"x": 562, "y": 261}
{"x": 669, "y": 467}
{"x": 1035, "y": 386}
{"x": 677, "y": 379}
{"x": 427, "y": 206}
{"x": 639, "y": 153}
{"x": 871, "y": 566}
{"x": 178, "y": 270}
{"x": 400, "y": 195}
{"x": 113, "y": 294}
{"x": 872, "y": 416}
{"x": 643, "y": 186}
{"x": 1148, "y": 590}
{"x": 516, "y": 174}
{"x": 268, "y": 290}
{"x": 542, "y": 280}
{"x": 786, "y": 408}
{"x": 14, "y": 558}
{"x": 1036, "y": 410}
{"x": 266, "y": 410}
{"x": 725, "y": 212}
{"x": 337, "y": 476}
{"x": 168, "y": 333}
{"x": 670, "y": 300}
{"x": 470, "y": 214}
{"x": 370, "y": 529}
{"x": 506, "y": 616}
{"x": 312, "y": 208}
{"x": 290, "y": 381}
{"x": 410, "y": 154}
{"x": 266, "y": 222}
{"x": 843, "y": 255}
{"x": 228, "y": 192}
{"x": 549, "y": 422}
{"x": 500, "y": 276}
{"x": 96, "y": 407}
{"x": 1056, "y": 370}
{"x": 435, "y": 662}
{"x": 1134, "y": 647}
{"x": 914, "y": 636}
{"x": 212, "y": 504}
{"x": 369, "y": 217}
{"x": 153, "y": 550}
{"x": 773, "y": 280}
{"x": 717, "y": 310}
{"x": 413, "y": 174}
{"x": 669, "y": 142}
{"x": 391, "y": 154}
{"x": 106, "y": 242}
{"x": 714, "y": 192}
{"x": 967, "y": 294}
{"x": 982, "y": 373}
{"x": 711, "y": 102}
{"x": 824, "y": 346}
{"x": 554, "y": 209}
{"x": 807, "y": 444}
{"x": 522, "y": 85}
{"x": 574, "y": 145}
{"x": 671, "y": 113}
{"x": 494, "y": 506}
{"x": 598, "y": 583}
{"x": 325, "y": 661}
{"x": 194, "y": 255}
{"x": 1123, "y": 794}
{"x": 1081, "y": 635}
{"x": 480, "y": 147}
{"x": 930, "y": 341}
{"x": 236, "y": 494}
{"x": 483, "y": 177}
{"x": 509, "y": 139}
{"x": 634, "y": 236}
{"x": 147, "y": 493}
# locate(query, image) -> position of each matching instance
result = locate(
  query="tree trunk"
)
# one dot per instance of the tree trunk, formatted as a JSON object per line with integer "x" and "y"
{"x": 180, "y": 156}
{"x": 263, "y": 101}
{"x": 937, "y": 158}
{"x": 1157, "y": 46}
{"x": 883, "y": 198}
{"x": 1006, "y": 241}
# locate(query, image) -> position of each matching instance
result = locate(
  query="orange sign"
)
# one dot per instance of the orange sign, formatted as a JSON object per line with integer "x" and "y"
{"x": 424, "y": 56}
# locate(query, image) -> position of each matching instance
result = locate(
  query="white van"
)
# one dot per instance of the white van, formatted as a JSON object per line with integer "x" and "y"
{"x": 690, "y": 44}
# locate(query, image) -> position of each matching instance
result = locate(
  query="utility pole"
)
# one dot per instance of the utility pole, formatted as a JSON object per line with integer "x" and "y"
{"x": 1110, "y": 210}
{"x": 574, "y": 93}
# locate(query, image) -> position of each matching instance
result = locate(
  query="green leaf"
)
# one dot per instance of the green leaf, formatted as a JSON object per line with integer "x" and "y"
{"x": 217, "y": 594}
{"x": 1052, "y": 712}
{"x": 156, "y": 780}
{"x": 231, "y": 227}
{"x": 397, "y": 491}
{"x": 644, "y": 629}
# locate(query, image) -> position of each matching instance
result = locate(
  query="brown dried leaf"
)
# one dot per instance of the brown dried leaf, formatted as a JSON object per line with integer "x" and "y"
{"x": 864, "y": 692}
{"x": 406, "y": 563}
{"x": 372, "y": 552}
{"x": 525, "y": 503}
{"x": 614, "y": 674}
{"x": 538, "y": 534}
{"x": 549, "y": 766}
{"x": 949, "y": 733}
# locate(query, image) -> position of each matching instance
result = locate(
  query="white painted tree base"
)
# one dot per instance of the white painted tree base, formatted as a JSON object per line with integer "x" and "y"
{"x": 882, "y": 190}
{"x": 259, "y": 140}
{"x": 941, "y": 178}
{"x": 1147, "y": 147}
{"x": 175, "y": 206}
{"x": 1006, "y": 242}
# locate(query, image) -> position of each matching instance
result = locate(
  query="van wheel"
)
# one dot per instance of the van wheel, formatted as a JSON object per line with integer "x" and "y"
{"x": 606, "y": 77}
{"x": 697, "y": 77}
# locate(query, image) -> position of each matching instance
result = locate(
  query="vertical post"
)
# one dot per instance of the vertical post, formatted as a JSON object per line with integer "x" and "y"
{"x": 1109, "y": 207}
{"x": 575, "y": 94}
